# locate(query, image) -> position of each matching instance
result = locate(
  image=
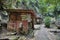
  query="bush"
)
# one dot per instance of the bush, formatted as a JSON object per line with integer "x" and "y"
{"x": 47, "y": 21}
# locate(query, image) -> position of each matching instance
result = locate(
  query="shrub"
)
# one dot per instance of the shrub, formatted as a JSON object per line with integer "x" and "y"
{"x": 47, "y": 21}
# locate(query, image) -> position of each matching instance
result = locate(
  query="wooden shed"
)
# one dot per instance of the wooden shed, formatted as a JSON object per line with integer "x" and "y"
{"x": 20, "y": 20}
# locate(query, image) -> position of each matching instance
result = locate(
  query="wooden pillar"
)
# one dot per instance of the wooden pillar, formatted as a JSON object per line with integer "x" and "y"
{"x": 32, "y": 23}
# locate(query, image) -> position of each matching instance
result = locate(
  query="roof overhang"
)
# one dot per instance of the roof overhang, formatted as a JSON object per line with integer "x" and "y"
{"x": 21, "y": 11}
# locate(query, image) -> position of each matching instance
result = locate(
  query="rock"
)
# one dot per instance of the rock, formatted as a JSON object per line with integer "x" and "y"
{"x": 13, "y": 38}
{"x": 22, "y": 38}
{"x": 11, "y": 33}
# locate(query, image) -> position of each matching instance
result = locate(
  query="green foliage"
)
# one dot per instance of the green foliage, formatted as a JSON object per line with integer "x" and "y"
{"x": 47, "y": 21}
{"x": 39, "y": 6}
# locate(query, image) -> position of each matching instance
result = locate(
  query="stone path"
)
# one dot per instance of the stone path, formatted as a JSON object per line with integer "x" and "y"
{"x": 43, "y": 34}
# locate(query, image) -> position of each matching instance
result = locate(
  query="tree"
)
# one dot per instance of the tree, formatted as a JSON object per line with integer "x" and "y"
{"x": 43, "y": 7}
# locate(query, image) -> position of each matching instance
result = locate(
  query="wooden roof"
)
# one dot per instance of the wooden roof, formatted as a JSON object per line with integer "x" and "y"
{"x": 18, "y": 10}
{"x": 21, "y": 11}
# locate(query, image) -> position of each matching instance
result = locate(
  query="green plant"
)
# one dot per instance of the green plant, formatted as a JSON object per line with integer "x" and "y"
{"x": 47, "y": 21}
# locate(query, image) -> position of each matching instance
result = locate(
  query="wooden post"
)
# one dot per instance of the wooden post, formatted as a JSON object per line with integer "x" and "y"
{"x": 32, "y": 23}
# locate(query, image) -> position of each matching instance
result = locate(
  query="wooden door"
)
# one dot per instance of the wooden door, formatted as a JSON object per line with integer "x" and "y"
{"x": 12, "y": 22}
